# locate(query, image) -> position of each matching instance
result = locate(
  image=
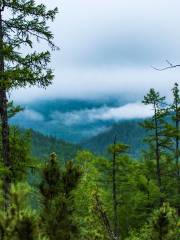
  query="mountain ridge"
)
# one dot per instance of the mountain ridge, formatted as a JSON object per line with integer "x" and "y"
{"x": 128, "y": 132}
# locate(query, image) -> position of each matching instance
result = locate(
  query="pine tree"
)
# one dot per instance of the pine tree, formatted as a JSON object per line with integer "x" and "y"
{"x": 116, "y": 149}
{"x": 157, "y": 139}
{"x": 57, "y": 201}
{"x": 21, "y": 23}
{"x": 176, "y": 136}
{"x": 176, "y": 117}
{"x": 173, "y": 132}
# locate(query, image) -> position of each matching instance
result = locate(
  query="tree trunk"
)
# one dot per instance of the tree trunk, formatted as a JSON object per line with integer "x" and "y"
{"x": 4, "y": 121}
{"x": 157, "y": 150}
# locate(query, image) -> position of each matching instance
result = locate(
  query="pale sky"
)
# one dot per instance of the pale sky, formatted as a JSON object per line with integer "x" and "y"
{"x": 109, "y": 46}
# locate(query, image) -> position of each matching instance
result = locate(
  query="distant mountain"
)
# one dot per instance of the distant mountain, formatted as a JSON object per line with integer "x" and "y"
{"x": 128, "y": 132}
{"x": 43, "y": 146}
{"x": 71, "y": 120}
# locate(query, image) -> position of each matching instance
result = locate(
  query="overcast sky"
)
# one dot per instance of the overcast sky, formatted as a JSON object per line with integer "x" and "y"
{"x": 109, "y": 46}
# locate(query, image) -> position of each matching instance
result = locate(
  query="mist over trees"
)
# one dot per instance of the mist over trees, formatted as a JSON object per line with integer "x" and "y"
{"x": 74, "y": 194}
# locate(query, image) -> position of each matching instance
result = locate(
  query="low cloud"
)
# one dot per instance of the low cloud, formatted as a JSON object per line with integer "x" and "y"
{"x": 32, "y": 115}
{"x": 99, "y": 83}
{"x": 128, "y": 111}
{"x": 76, "y": 125}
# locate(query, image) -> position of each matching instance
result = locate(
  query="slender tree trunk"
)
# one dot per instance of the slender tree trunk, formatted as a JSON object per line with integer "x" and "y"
{"x": 158, "y": 167}
{"x": 177, "y": 154}
{"x": 115, "y": 203}
{"x": 4, "y": 120}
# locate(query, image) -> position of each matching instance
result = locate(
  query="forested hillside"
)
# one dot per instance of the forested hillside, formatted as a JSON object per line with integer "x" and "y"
{"x": 129, "y": 132}
{"x": 43, "y": 145}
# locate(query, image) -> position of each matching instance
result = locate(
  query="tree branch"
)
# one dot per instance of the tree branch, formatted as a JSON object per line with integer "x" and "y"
{"x": 170, "y": 66}
{"x": 103, "y": 217}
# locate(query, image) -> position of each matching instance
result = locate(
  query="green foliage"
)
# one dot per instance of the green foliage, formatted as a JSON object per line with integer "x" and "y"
{"x": 27, "y": 23}
{"x": 19, "y": 222}
{"x": 89, "y": 226}
{"x": 56, "y": 198}
{"x": 163, "y": 225}
{"x": 136, "y": 195}
{"x": 118, "y": 148}
{"x": 158, "y": 139}
{"x": 13, "y": 110}
{"x": 154, "y": 98}
{"x": 20, "y": 154}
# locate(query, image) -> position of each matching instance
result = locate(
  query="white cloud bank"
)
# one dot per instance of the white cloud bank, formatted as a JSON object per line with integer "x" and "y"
{"x": 128, "y": 111}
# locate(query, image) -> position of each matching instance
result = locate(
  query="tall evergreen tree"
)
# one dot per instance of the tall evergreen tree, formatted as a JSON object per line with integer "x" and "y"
{"x": 116, "y": 149}
{"x": 57, "y": 202}
{"x": 157, "y": 138}
{"x": 21, "y": 23}
{"x": 176, "y": 118}
{"x": 173, "y": 131}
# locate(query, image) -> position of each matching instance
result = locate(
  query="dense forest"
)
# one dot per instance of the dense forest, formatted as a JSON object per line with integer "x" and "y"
{"x": 74, "y": 193}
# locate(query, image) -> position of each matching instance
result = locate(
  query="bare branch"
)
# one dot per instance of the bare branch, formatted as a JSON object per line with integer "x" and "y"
{"x": 103, "y": 217}
{"x": 170, "y": 66}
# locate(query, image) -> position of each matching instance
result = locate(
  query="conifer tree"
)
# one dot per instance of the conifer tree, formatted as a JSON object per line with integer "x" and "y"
{"x": 173, "y": 131}
{"x": 20, "y": 154}
{"x": 57, "y": 201}
{"x": 22, "y": 22}
{"x": 156, "y": 125}
{"x": 116, "y": 149}
{"x": 176, "y": 111}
